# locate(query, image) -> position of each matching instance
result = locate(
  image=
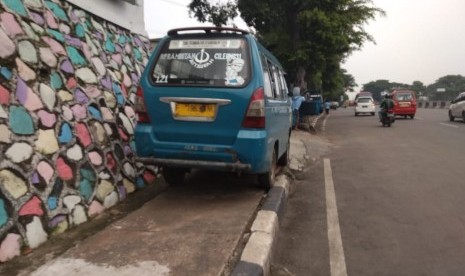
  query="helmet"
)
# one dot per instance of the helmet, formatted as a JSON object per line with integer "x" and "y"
{"x": 387, "y": 96}
{"x": 296, "y": 91}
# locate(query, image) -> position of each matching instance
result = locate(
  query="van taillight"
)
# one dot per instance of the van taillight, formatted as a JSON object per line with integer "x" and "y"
{"x": 139, "y": 107}
{"x": 255, "y": 115}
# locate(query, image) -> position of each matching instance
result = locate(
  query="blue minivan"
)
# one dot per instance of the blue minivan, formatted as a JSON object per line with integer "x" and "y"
{"x": 213, "y": 98}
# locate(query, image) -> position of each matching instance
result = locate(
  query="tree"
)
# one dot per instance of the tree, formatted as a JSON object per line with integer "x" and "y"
{"x": 379, "y": 86}
{"x": 217, "y": 14}
{"x": 349, "y": 81}
{"x": 453, "y": 84}
{"x": 310, "y": 37}
{"x": 418, "y": 87}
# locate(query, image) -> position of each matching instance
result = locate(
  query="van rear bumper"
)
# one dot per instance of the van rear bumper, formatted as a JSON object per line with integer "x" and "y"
{"x": 405, "y": 111}
{"x": 181, "y": 163}
{"x": 250, "y": 153}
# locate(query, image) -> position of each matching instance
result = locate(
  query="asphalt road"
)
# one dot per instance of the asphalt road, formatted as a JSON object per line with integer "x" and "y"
{"x": 399, "y": 199}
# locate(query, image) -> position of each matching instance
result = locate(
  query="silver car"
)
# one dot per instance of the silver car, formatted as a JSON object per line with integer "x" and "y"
{"x": 457, "y": 108}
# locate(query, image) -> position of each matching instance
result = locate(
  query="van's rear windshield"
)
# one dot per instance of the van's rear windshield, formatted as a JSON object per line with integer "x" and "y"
{"x": 203, "y": 62}
{"x": 404, "y": 96}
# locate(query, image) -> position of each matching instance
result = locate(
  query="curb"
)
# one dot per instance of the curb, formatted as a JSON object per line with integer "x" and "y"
{"x": 256, "y": 256}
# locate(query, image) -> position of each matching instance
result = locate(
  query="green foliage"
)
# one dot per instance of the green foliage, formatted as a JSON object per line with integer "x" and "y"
{"x": 418, "y": 87}
{"x": 379, "y": 86}
{"x": 453, "y": 84}
{"x": 349, "y": 81}
{"x": 311, "y": 36}
{"x": 216, "y": 14}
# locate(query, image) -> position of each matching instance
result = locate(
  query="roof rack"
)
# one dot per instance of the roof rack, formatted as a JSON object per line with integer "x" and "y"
{"x": 207, "y": 30}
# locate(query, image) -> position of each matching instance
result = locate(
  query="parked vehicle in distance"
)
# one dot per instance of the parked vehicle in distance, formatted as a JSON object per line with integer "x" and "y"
{"x": 313, "y": 105}
{"x": 363, "y": 94}
{"x": 318, "y": 99}
{"x": 334, "y": 105}
{"x": 213, "y": 98}
{"x": 365, "y": 105}
{"x": 405, "y": 102}
{"x": 457, "y": 108}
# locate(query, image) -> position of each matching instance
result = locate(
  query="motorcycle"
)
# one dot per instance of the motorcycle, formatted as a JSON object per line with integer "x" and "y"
{"x": 387, "y": 118}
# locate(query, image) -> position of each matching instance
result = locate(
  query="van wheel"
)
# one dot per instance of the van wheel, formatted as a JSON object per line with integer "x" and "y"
{"x": 451, "y": 118}
{"x": 266, "y": 180}
{"x": 412, "y": 116}
{"x": 284, "y": 159}
{"x": 174, "y": 176}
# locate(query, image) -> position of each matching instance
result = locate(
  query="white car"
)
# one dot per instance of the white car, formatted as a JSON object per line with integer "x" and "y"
{"x": 365, "y": 105}
{"x": 334, "y": 105}
{"x": 457, "y": 108}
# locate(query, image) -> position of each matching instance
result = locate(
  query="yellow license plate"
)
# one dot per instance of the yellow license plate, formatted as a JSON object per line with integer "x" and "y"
{"x": 195, "y": 110}
{"x": 404, "y": 104}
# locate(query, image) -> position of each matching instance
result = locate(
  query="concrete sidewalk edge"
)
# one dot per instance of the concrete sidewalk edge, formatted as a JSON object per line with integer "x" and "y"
{"x": 256, "y": 256}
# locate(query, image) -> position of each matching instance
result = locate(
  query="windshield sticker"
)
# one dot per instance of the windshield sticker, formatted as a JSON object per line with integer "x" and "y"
{"x": 198, "y": 55}
{"x": 226, "y": 56}
{"x": 161, "y": 79}
{"x": 233, "y": 67}
{"x": 201, "y": 60}
{"x": 205, "y": 44}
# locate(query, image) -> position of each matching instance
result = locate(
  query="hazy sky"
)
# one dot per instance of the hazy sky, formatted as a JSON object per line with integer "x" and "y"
{"x": 416, "y": 40}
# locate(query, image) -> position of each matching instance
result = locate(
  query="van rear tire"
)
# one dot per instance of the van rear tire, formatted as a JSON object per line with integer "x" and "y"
{"x": 174, "y": 176}
{"x": 284, "y": 159}
{"x": 266, "y": 180}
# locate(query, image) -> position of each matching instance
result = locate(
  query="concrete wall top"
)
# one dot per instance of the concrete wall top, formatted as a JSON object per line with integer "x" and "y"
{"x": 128, "y": 14}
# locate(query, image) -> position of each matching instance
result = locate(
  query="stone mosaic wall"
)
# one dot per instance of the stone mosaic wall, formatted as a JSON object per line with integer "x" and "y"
{"x": 67, "y": 84}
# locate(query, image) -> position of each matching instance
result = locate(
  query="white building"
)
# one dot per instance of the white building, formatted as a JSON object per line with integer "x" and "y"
{"x": 128, "y": 14}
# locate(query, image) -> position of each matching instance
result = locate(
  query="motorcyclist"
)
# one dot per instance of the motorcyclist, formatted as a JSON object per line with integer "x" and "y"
{"x": 385, "y": 105}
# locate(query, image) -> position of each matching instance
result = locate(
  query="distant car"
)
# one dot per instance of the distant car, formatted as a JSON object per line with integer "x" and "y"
{"x": 365, "y": 105}
{"x": 405, "y": 102}
{"x": 457, "y": 108}
{"x": 363, "y": 94}
{"x": 334, "y": 105}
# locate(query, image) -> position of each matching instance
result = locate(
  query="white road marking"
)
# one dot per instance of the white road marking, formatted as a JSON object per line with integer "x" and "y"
{"x": 336, "y": 251}
{"x": 324, "y": 123}
{"x": 449, "y": 125}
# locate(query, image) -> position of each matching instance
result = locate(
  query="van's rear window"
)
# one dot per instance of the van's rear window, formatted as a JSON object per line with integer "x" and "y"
{"x": 364, "y": 100}
{"x": 203, "y": 62}
{"x": 405, "y": 96}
